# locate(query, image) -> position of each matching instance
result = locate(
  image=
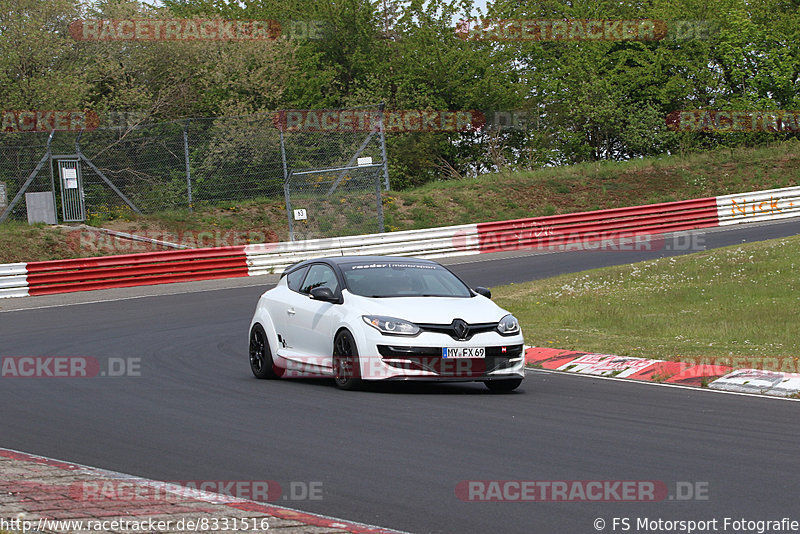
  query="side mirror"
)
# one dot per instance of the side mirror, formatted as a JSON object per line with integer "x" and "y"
{"x": 483, "y": 291}
{"x": 324, "y": 294}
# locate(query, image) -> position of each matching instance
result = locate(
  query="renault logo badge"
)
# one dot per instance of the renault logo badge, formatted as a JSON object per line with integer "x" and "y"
{"x": 460, "y": 328}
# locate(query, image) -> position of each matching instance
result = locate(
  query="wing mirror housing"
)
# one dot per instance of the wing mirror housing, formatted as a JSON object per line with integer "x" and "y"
{"x": 324, "y": 294}
{"x": 483, "y": 291}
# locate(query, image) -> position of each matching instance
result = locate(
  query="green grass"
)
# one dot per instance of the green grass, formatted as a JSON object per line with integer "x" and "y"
{"x": 735, "y": 301}
{"x": 491, "y": 197}
{"x": 21, "y": 242}
{"x": 548, "y": 191}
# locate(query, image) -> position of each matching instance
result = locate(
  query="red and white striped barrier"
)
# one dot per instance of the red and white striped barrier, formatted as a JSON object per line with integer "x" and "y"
{"x": 769, "y": 205}
{"x": 553, "y": 232}
{"x": 603, "y": 225}
{"x": 13, "y": 280}
{"x": 83, "y": 274}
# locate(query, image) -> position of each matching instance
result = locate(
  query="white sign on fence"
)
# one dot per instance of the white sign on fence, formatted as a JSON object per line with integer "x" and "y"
{"x": 300, "y": 215}
{"x": 70, "y": 178}
{"x": 3, "y": 196}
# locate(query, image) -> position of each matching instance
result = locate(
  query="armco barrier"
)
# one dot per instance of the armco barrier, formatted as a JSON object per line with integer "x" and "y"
{"x": 13, "y": 282}
{"x": 495, "y": 236}
{"x": 759, "y": 206}
{"x": 38, "y": 278}
{"x": 555, "y": 230}
{"x": 429, "y": 243}
{"x": 62, "y": 276}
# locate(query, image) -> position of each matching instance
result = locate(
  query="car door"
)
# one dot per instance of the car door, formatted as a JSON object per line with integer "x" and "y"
{"x": 282, "y": 306}
{"x": 315, "y": 320}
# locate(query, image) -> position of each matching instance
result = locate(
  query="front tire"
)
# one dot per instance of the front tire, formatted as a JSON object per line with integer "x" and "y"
{"x": 346, "y": 366}
{"x": 503, "y": 386}
{"x": 260, "y": 354}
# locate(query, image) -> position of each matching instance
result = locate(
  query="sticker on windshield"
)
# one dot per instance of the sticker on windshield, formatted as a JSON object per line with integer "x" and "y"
{"x": 392, "y": 265}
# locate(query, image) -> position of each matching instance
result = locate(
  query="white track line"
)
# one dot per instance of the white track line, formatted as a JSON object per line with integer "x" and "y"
{"x": 130, "y": 297}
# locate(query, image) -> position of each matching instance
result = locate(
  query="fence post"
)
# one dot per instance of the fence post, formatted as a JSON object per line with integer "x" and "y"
{"x": 383, "y": 150}
{"x": 286, "y": 194}
{"x": 186, "y": 156}
{"x": 288, "y": 209}
{"x": 379, "y": 200}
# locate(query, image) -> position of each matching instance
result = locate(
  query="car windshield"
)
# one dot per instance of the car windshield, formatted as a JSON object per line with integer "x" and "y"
{"x": 401, "y": 279}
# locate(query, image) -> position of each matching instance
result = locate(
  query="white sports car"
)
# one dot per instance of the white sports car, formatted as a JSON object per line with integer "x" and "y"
{"x": 357, "y": 318}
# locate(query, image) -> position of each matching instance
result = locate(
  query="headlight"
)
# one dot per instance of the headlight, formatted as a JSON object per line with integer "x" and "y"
{"x": 391, "y": 325}
{"x": 508, "y": 326}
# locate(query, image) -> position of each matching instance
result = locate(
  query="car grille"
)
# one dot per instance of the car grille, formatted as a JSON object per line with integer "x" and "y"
{"x": 450, "y": 329}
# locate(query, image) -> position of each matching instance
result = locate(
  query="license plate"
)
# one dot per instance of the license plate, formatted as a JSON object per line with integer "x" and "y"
{"x": 464, "y": 352}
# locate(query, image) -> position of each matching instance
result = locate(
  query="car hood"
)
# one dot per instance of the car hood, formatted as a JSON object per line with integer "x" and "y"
{"x": 430, "y": 310}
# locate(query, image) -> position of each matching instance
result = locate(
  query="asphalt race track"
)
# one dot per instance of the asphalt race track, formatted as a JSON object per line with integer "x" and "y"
{"x": 392, "y": 455}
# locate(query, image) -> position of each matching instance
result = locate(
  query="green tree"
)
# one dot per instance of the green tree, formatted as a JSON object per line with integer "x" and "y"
{"x": 39, "y": 66}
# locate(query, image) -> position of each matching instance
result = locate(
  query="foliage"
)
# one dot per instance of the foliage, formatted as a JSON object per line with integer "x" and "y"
{"x": 586, "y": 100}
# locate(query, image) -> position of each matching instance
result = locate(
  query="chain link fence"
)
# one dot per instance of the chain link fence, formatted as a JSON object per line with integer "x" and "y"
{"x": 334, "y": 174}
{"x": 319, "y": 201}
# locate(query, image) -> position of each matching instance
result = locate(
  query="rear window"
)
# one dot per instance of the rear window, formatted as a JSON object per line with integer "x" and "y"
{"x": 401, "y": 279}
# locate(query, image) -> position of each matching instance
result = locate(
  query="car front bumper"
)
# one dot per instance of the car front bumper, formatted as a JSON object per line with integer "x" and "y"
{"x": 421, "y": 358}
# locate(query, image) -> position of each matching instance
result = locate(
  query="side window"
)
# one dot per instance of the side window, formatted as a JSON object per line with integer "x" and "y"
{"x": 295, "y": 278}
{"x": 320, "y": 276}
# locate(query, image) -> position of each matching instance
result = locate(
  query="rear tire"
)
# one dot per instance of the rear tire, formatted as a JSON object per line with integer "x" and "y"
{"x": 260, "y": 354}
{"x": 346, "y": 366}
{"x": 503, "y": 386}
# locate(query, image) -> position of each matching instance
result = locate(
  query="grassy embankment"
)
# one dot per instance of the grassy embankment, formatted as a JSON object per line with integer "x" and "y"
{"x": 491, "y": 197}
{"x": 737, "y": 302}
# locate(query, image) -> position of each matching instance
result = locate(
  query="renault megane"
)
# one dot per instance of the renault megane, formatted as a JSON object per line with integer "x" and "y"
{"x": 357, "y": 318}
